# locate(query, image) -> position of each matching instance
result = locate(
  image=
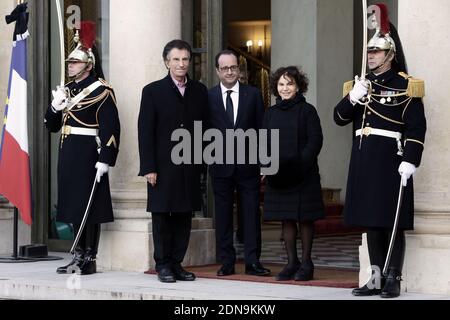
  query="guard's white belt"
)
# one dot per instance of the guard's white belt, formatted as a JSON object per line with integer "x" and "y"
{"x": 68, "y": 130}
{"x": 379, "y": 132}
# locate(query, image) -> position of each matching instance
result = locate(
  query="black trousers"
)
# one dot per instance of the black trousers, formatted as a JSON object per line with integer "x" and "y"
{"x": 248, "y": 194}
{"x": 378, "y": 244}
{"x": 171, "y": 233}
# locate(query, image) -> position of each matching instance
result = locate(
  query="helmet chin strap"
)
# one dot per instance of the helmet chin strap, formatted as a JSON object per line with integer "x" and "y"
{"x": 75, "y": 77}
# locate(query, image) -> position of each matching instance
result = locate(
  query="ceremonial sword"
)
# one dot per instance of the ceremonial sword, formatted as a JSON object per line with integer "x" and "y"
{"x": 394, "y": 229}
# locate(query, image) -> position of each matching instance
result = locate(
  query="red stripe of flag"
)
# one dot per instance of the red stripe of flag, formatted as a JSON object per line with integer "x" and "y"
{"x": 15, "y": 182}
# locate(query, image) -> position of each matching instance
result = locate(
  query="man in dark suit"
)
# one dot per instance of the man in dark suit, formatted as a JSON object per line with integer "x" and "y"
{"x": 233, "y": 105}
{"x": 172, "y": 103}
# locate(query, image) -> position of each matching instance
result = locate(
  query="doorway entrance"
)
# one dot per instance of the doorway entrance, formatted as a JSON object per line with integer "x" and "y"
{"x": 247, "y": 29}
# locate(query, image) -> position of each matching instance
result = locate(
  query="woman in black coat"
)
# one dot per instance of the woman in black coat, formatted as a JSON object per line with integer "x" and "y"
{"x": 294, "y": 194}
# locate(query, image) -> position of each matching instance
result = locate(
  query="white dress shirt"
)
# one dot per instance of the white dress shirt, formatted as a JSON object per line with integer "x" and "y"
{"x": 234, "y": 98}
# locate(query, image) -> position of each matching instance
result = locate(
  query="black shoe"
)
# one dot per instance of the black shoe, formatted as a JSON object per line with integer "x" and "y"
{"x": 392, "y": 287}
{"x": 89, "y": 265}
{"x": 306, "y": 271}
{"x": 368, "y": 289}
{"x": 166, "y": 275}
{"x": 256, "y": 269}
{"x": 288, "y": 272}
{"x": 181, "y": 274}
{"x": 365, "y": 291}
{"x": 75, "y": 264}
{"x": 226, "y": 270}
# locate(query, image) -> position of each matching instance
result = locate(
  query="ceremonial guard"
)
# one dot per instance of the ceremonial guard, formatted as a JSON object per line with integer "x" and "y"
{"x": 85, "y": 111}
{"x": 387, "y": 113}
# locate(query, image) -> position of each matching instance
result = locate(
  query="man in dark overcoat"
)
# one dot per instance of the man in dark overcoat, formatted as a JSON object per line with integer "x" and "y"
{"x": 388, "y": 141}
{"x": 174, "y": 102}
{"x": 85, "y": 111}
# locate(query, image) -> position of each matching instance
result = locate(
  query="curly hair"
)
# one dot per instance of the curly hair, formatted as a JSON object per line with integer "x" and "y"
{"x": 290, "y": 72}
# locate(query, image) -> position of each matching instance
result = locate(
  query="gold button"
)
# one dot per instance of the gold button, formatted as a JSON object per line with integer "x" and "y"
{"x": 366, "y": 131}
{"x": 369, "y": 113}
{"x": 368, "y": 125}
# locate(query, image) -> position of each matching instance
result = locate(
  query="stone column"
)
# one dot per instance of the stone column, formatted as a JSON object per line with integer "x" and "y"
{"x": 318, "y": 36}
{"x": 138, "y": 33}
{"x": 6, "y": 211}
{"x": 424, "y": 30}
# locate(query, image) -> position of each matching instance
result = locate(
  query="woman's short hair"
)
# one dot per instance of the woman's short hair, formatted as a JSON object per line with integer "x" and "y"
{"x": 290, "y": 72}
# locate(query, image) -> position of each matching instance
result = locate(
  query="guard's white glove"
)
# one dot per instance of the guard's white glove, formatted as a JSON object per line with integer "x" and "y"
{"x": 59, "y": 99}
{"x": 406, "y": 170}
{"x": 360, "y": 90}
{"x": 102, "y": 168}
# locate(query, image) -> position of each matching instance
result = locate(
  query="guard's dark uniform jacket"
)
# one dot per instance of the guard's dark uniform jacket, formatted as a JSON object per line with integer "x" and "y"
{"x": 78, "y": 154}
{"x": 373, "y": 180}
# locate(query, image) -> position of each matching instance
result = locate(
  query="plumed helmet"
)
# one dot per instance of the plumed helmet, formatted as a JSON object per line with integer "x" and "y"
{"x": 382, "y": 39}
{"x": 85, "y": 39}
{"x": 386, "y": 37}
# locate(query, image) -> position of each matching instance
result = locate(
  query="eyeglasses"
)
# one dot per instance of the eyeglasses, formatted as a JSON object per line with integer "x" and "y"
{"x": 226, "y": 69}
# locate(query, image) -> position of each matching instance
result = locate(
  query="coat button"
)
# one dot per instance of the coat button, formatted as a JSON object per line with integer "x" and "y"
{"x": 182, "y": 125}
{"x": 369, "y": 113}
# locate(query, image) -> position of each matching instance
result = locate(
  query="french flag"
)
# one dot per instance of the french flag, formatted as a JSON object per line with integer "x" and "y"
{"x": 15, "y": 181}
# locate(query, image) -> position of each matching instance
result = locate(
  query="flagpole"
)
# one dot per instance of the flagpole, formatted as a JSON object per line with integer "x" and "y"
{"x": 18, "y": 193}
{"x": 15, "y": 233}
{"x": 14, "y": 258}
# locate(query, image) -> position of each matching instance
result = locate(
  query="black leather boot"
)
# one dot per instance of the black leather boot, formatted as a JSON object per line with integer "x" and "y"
{"x": 366, "y": 291}
{"x": 369, "y": 289}
{"x": 89, "y": 265}
{"x": 392, "y": 287}
{"x": 288, "y": 271}
{"x": 75, "y": 264}
{"x": 306, "y": 271}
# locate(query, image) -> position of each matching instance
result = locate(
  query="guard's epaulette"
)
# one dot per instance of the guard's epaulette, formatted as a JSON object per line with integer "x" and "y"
{"x": 348, "y": 86}
{"x": 104, "y": 83}
{"x": 416, "y": 87}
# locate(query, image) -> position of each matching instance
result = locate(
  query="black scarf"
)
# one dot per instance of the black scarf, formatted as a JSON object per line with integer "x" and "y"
{"x": 287, "y": 104}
